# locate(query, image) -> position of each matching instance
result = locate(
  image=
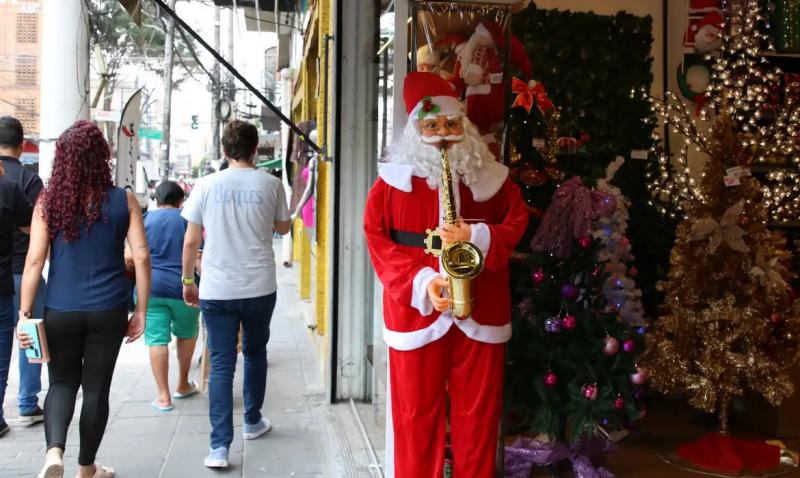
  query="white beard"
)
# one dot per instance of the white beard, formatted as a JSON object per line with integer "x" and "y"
{"x": 466, "y": 156}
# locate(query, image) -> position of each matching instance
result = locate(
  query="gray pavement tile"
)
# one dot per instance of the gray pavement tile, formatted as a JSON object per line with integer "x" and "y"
{"x": 155, "y": 426}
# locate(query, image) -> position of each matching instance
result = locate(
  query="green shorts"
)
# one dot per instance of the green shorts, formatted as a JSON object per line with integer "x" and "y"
{"x": 169, "y": 316}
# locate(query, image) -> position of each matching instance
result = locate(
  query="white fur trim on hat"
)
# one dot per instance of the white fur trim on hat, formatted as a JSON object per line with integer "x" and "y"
{"x": 448, "y": 105}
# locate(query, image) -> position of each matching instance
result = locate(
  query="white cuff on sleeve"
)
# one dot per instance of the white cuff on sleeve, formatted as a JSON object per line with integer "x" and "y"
{"x": 481, "y": 236}
{"x": 419, "y": 291}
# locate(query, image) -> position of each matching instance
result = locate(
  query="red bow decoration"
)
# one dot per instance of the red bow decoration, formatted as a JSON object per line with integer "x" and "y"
{"x": 527, "y": 95}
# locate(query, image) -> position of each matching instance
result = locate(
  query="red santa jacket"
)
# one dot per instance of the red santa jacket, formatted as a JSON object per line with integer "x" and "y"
{"x": 404, "y": 202}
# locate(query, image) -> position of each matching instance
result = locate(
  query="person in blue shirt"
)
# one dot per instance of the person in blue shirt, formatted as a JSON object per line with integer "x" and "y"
{"x": 167, "y": 314}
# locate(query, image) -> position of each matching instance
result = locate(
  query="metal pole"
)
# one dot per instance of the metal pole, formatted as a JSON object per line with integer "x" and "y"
{"x": 165, "y": 125}
{"x": 215, "y": 92}
{"x": 182, "y": 24}
{"x": 64, "y": 75}
{"x": 231, "y": 82}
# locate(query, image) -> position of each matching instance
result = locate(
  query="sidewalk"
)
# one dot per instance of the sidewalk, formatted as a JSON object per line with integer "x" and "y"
{"x": 143, "y": 443}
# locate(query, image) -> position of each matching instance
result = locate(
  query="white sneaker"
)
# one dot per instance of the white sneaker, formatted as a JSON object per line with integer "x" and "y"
{"x": 251, "y": 432}
{"x": 217, "y": 458}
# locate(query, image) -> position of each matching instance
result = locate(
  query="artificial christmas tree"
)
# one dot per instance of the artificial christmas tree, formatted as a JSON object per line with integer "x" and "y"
{"x": 730, "y": 324}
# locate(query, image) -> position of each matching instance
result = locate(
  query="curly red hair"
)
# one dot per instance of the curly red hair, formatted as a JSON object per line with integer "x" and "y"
{"x": 80, "y": 181}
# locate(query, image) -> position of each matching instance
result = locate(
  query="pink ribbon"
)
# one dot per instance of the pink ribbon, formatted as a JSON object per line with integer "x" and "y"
{"x": 570, "y": 216}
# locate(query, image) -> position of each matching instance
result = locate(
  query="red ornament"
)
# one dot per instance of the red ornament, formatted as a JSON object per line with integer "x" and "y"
{"x": 610, "y": 346}
{"x": 550, "y": 379}
{"x": 629, "y": 345}
{"x": 569, "y": 322}
{"x": 776, "y": 319}
{"x": 538, "y": 277}
{"x": 589, "y": 391}
{"x": 633, "y": 271}
{"x": 619, "y": 402}
{"x": 639, "y": 377}
{"x": 585, "y": 242}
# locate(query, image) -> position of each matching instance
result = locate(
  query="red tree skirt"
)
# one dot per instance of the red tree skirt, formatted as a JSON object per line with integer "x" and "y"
{"x": 722, "y": 453}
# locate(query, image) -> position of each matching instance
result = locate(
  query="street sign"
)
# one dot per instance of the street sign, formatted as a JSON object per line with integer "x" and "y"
{"x": 147, "y": 133}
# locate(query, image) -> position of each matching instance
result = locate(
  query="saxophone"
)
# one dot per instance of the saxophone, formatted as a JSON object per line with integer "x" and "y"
{"x": 462, "y": 261}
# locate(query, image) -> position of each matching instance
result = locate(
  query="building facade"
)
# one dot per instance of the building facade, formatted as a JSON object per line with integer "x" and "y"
{"x": 20, "y": 48}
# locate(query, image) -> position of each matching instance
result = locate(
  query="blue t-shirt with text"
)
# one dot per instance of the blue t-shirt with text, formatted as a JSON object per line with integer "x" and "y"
{"x": 165, "y": 229}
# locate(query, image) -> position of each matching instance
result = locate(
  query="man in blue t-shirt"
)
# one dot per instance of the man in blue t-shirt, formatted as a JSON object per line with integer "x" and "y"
{"x": 167, "y": 314}
{"x": 15, "y": 214}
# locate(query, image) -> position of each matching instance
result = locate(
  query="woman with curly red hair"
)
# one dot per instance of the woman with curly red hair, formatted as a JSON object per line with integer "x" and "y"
{"x": 83, "y": 221}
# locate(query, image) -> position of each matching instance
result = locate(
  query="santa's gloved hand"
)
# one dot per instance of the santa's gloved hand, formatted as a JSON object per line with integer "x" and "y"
{"x": 473, "y": 75}
{"x": 451, "y": 233}
{"x": 435, "y": 289}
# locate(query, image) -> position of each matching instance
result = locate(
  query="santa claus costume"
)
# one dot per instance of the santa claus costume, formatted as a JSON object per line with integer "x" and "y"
{"x": 481, "y": 69}
{"x": 433, "y": 354}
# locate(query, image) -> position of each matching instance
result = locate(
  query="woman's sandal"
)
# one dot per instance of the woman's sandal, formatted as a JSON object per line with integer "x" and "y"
{"x": 52, "y": 469}
{"x": 104, "y": 472}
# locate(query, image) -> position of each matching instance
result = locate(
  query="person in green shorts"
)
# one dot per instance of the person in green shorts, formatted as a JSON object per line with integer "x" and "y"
{"x": 167, "y": 314}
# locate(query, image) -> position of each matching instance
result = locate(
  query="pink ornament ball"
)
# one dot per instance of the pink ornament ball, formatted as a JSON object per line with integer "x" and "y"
{"x": 589, "y": 391}
{"x": 610, "y": 346}
{"x": 569, "y": 322}
{"x": 629, "y": 345}
{"x": 537, "y": 277}
{"x": 585, "y": 242}
{"x": 619, "y": 403}
{"x": 639, "y": 377}
{"x": 550, "y": 379}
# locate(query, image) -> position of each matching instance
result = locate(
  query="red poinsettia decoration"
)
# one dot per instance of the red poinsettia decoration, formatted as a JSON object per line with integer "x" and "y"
{"x": 528, "y": 94}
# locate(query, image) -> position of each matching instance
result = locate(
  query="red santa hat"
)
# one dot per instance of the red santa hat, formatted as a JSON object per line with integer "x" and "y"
{"x": 704, "y": 6}
{"x": 493, "y": 31}
{"x": 428, "y": 95}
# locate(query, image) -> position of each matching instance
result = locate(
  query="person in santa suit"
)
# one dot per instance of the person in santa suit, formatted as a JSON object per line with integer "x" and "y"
{"x": 431, "y": 353}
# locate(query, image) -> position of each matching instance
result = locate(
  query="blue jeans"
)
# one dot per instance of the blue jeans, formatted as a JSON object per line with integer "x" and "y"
{"x": 222, "y": 319}
{"x": 30, "y": 374}
{"x": 6, "y": 343}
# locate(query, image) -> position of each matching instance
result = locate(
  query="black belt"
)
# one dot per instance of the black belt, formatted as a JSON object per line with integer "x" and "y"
{"x": 413, "y": 239}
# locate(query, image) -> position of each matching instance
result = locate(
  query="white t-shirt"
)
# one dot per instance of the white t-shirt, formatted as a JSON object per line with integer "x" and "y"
{"x": 238, "y": 209}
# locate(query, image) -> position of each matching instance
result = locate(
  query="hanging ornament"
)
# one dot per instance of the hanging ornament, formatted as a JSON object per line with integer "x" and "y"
{"x": 639, "y": 377}
{"x": 537, "y": 277}
{"x": 550, "y": 379}
{"x": 775, "y": 319}
{"x": 628, "y": 345}
{"x": 619, "y": 402}
{"x": 633, "y": 271}
{"x": 570, "y": 291}
{"x": 589, "y": 391}
{"x": 585, "y": 242}
{"x": 596, "y": 272}
{"x": 553, "y": 325}
{"x": 569, "y": 322}
{"x": 610, "y": 345}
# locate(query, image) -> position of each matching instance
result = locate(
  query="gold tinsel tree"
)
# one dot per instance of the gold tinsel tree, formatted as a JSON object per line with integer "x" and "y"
{"x": 729, "y": 324}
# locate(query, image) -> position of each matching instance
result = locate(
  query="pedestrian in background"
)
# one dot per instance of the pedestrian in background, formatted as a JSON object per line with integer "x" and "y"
{"x": 12, "y": 140}
{"x": 15, "y": 213}
{"x": 167, "y": 314}
{"x": 83, "y": 220}
{"x": 239, "y": 208}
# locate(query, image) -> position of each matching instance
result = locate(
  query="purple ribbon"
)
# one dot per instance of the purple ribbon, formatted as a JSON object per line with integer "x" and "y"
{"x": 570, "y": 216}
{"x": 526, "y": 452}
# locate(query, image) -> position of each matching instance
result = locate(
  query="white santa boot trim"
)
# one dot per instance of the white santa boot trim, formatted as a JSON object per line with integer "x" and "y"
{"x": 405, "y": 341}
{"x": 489, "y": 334}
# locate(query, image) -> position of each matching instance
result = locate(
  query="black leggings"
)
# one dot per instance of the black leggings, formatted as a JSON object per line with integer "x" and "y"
{"x": 83, "y": 351}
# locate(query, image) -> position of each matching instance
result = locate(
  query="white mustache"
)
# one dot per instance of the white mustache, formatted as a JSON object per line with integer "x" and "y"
{"x": 438, "y": 139}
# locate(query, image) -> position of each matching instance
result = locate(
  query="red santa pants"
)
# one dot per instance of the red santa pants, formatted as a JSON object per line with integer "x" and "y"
{"x": 472, "y": 373}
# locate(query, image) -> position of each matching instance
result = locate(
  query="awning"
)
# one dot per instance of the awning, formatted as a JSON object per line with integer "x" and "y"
{"x": 271, "y": 164}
